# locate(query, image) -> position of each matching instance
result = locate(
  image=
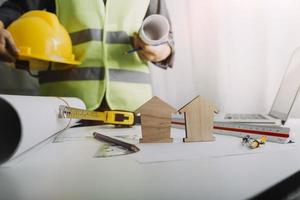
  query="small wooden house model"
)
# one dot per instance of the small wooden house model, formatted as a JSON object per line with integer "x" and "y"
{"x": 199, "y": 116}
{"x": 156, "y": 121}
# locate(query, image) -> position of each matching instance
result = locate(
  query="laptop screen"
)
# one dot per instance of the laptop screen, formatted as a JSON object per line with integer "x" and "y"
{"x": 288, "y": 90}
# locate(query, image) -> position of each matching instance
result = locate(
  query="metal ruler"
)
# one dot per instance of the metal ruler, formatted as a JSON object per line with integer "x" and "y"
{"x": 273, "y": 133}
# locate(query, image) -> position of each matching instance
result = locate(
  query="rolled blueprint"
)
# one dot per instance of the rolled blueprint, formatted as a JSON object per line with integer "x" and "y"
{"x": 155, "y": 30}
{"x": 26, "y": 121}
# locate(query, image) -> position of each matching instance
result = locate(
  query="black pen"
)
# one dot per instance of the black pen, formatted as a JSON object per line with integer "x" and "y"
{"x": 101, "y": 137}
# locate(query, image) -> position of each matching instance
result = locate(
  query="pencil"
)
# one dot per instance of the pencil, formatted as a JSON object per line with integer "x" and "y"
{"x": 125, "y": 145}
{"x": 140, "y": 48}
{"x": 133, "y": 51}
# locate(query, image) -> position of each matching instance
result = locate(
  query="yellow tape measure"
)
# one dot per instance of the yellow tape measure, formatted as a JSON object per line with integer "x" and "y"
{"x": 107, "y": 117}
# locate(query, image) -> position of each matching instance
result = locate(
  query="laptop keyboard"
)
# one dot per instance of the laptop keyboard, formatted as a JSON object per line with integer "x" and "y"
{"x": 244, "y": 116}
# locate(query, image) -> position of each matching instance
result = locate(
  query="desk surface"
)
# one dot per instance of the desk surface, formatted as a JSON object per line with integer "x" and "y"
{"x": 68, "y": 170}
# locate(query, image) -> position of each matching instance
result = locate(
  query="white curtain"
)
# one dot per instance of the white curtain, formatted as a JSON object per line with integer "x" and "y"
{"x": 232, "y": 52}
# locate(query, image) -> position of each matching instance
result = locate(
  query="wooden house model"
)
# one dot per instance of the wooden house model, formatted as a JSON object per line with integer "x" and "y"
{"x": 156, "y": 121}
{"x": 199, "y": 116}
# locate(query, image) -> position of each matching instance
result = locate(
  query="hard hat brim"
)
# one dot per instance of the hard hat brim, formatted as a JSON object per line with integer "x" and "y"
{"x": 60, "y": 60}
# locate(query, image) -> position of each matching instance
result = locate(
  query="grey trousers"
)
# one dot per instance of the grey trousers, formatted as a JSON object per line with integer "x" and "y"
{"x": 17, "y": 82}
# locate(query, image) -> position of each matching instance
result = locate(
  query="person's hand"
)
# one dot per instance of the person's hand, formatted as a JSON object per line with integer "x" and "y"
{"x": 151, "y": 53}
{"x": 8, "y": 49}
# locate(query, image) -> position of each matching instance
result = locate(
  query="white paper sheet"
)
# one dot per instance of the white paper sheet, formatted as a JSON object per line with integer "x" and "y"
{"x": 26, "y": 121}
{"x": 224, "y": 146}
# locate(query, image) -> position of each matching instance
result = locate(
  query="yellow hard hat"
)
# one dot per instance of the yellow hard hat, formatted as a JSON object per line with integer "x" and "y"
{"x": 39, "y": 35}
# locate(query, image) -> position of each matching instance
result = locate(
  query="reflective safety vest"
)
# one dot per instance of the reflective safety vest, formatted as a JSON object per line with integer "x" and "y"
{"x": 100, "y": 35}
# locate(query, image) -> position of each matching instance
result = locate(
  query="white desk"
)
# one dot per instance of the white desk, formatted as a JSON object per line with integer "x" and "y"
{"x": 62, "y": 171}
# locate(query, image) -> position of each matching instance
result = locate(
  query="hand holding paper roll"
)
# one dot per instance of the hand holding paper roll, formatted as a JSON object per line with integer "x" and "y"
{"x": 152, "y": 41}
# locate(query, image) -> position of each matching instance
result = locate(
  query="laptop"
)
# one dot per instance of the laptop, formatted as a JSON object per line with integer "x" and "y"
{"x": 282, "y": 104}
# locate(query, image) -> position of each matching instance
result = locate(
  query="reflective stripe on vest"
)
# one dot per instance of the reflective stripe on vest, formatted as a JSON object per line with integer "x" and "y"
{"x": 87, "y": 35}
{"x": 93, "y": 73}
{"x": 75, "y": 74}
{"x": 100, "y": 35}
{"x": 118, "y": 37}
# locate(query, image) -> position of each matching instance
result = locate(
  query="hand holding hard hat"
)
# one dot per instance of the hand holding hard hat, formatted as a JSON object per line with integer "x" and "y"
{"x": 8, "y": 50}
{"x": 40, "y": 37}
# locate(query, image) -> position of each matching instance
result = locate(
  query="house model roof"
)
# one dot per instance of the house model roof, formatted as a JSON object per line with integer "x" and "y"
{"x": 155, "y": 106}
{"x": 194, "y": 103}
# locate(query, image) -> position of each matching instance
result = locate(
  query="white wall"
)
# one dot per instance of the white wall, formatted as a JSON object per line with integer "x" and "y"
{"x": 233, "y": 52}
{"x": 176, "y": 86}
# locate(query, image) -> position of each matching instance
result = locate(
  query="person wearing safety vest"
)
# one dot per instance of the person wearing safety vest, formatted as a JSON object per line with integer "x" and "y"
{"x": 100, "y": 32}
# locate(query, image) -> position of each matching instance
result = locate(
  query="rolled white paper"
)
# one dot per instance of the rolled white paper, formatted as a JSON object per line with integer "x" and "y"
{"x": 25, "y": 121}
{"x": 155, "y": 30}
